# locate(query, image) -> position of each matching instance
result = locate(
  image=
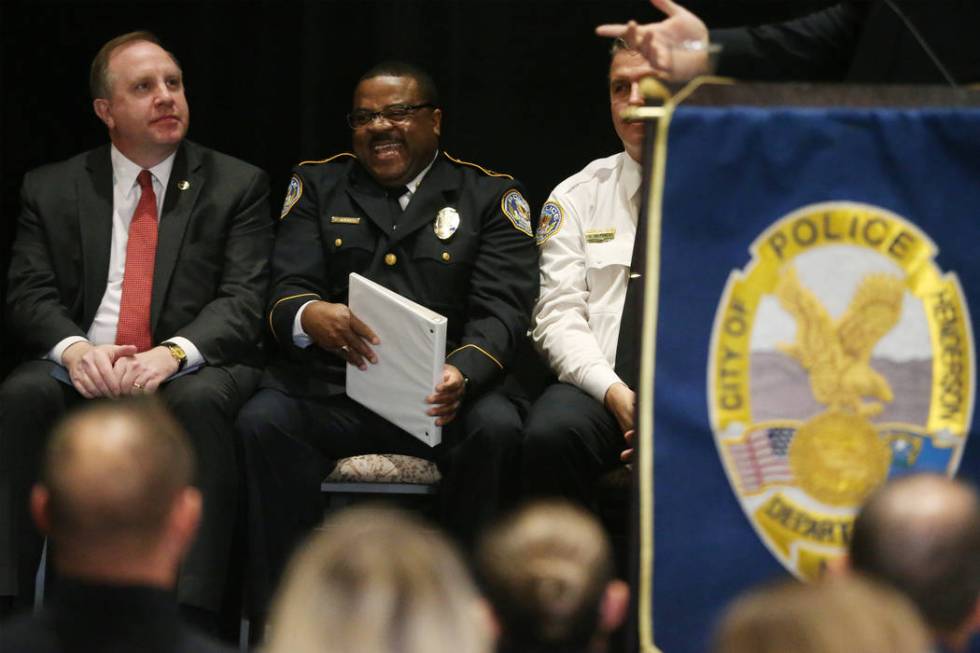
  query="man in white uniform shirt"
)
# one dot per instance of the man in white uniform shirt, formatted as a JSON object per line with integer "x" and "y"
{"x": 576, "y": 429}
{"x": 140, "y": 266}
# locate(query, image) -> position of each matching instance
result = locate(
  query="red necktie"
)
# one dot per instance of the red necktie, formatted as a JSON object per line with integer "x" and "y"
{"x": 141, "y": 250}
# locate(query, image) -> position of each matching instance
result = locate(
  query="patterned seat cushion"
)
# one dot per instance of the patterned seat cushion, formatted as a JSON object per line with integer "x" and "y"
{"x": 385, "y": 468}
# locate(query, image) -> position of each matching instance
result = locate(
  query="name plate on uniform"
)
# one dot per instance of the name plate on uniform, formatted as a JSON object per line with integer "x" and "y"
{"x": 599, "y": 235}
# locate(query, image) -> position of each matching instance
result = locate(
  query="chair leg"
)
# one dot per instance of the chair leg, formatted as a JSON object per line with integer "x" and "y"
{"x": 244, "y": 626}
{"x": 40, "y": 578}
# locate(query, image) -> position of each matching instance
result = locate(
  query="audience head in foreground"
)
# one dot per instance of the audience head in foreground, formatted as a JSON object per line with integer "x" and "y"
{"x": 921, "y": 535}
{"x": 839, "y": 615}
{"x": 548, "y": 572}
{"x": 115, "y": 501}
{"x": 375, "y": 580}
{"x": 115, "y": 496}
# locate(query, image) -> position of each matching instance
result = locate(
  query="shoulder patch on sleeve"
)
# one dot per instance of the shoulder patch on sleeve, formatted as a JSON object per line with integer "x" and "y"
{"x": 552, "y": 216}
{"x": 328, "y": 159}
{"x": 516, "y": 208}
{"x": 489, "y": 173}
{"x": 293, "y": 193}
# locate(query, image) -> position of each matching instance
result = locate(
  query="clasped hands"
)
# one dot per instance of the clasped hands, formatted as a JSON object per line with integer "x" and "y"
{"x": 116, "y": 370}
{"x": 335, "y": 328}
{"x": 621, "y": 402}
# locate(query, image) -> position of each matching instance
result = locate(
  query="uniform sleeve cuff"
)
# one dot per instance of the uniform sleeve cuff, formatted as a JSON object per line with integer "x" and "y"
{"x": 476, "y": 364}
{"x": 598, "y": 382}
{"x": 282, "y": 316}
{"x": 300, "y": 338}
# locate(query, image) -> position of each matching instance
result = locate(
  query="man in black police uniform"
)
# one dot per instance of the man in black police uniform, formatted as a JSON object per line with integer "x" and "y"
{"x": 447, "y": 234}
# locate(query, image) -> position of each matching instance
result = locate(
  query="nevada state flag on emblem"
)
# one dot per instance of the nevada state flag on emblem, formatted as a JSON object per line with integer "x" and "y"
{"x": 819, "y": 286}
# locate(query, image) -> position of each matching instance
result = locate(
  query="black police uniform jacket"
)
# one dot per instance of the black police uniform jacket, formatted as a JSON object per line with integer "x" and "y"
{"x": 337, "y": 220}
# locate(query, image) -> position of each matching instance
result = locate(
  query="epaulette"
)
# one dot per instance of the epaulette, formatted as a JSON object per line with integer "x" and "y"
{"x": 489, "y": 173}
{"x": 328, "y": 159}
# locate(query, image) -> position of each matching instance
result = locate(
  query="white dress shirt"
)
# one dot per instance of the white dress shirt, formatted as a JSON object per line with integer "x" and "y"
{"x": 125, "y": 197}
{"x": 585, "y": 267}
{"x": 300, "y": 337}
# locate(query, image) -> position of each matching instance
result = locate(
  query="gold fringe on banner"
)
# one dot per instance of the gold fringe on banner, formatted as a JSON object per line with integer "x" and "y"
{"x": 648, "y": 364}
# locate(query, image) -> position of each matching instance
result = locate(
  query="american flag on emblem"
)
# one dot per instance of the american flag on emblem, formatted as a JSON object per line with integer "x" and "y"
{"x": 763, "y": 458}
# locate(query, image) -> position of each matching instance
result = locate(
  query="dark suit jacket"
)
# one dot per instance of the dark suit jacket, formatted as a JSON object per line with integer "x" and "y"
{"x": 483, "y": 278}
{"x": 860, "y": 41}
{"x": 211, "y": 269}
{"x": 84, "y": 617}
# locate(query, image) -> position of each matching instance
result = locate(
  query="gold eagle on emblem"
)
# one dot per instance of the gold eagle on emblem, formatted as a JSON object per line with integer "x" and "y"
{"x": 837, "y": 353}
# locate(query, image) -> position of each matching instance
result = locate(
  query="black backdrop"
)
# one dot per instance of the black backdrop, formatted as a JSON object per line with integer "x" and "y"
{"x": 522, "y": 81}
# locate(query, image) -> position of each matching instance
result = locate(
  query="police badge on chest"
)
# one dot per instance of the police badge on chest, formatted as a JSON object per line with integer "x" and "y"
{"x": 446, "y": 223}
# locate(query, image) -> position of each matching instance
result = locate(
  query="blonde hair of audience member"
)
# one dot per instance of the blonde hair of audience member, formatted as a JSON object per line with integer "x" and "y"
{"x": 375, "y": 580}
{"x": 115, "y": 493}
{"x": 838, "y": 615}
{"x": 548, "y": 572}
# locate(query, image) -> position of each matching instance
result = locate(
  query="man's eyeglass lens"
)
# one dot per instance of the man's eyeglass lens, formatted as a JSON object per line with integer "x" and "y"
{"x": 395, "y": 113}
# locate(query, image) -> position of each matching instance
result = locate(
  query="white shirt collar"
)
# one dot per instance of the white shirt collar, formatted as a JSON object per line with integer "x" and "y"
{"x": 631, "y": 175}
{"x": 414, "y": 184}
{"x": 124, "y": 171}
{"x": 630, "y": 178}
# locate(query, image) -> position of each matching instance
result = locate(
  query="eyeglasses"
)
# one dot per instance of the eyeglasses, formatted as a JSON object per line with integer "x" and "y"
{"x": 396, "y": 113}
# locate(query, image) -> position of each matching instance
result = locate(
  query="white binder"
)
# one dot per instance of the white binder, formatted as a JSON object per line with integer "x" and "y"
{"x": 410, "y": 358}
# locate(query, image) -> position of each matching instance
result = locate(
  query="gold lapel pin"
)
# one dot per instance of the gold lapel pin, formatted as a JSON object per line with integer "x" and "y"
{"x": 183, "y": 185}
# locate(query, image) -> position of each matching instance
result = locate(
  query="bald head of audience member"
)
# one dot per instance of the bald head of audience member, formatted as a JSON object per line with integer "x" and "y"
{"x": 115, "y": 497}
{"x": 921, "y": 535}
{"x": 377, "y": 580}
{"x": 548, "y": 573}
{"x": 839, "y": 615}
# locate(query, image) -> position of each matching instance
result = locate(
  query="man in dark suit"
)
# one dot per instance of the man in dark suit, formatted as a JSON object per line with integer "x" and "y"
{"x": 447, "y": 234}
{"x": 116, "y": 503}
{"x": 137, "y": 267}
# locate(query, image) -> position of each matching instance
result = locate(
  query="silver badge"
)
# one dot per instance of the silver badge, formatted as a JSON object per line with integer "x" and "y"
{"x": 183, "y": 185}
{"x": 446, "y": 224}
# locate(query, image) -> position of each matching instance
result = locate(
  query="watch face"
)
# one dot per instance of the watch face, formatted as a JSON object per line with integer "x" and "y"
{"x": 178, "y": 353}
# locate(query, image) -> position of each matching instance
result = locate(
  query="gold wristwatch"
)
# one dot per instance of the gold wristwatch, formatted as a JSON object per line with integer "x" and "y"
{"x": 178, "y": 353}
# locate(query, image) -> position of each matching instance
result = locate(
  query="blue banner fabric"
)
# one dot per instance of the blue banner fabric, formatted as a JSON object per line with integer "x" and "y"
{"x": 820, "y": 275}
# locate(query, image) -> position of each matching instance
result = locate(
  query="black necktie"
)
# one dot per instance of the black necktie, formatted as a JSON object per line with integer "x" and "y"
{"x": 394, "y": 207}
{"x": 628, "y": 345}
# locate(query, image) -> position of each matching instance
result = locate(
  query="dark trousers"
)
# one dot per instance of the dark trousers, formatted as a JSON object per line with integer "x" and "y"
{"x": 204, "y": 402}
{"x": 291, "y": 444}
{"x": 570, "y": 439}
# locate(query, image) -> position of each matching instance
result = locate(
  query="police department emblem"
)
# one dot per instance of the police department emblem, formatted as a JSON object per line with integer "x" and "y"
{"x": 841, "y": 356}
{"x": 516, "y": 209}
{"x": 551, "y": 219}
{"x": 293, "y": 193}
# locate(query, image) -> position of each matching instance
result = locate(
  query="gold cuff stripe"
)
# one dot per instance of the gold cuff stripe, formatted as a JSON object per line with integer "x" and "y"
{"x": 479, "y": 349}
{"x": 328, "y": 159}
{"x": 490, "y": 173}
{"x": 286, "y": 299}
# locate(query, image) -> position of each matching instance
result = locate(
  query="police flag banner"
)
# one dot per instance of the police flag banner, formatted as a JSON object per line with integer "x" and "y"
{"x": 819, "y": 277}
